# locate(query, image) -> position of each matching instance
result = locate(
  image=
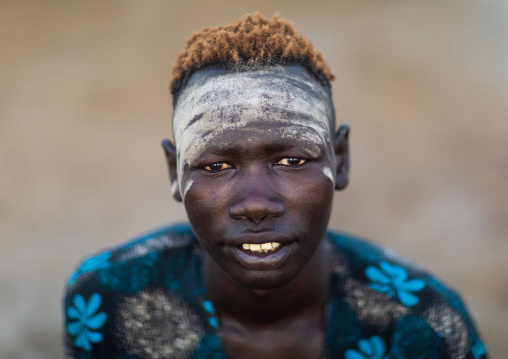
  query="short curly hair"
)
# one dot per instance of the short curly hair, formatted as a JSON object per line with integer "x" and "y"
{"x": 248, "y": 43}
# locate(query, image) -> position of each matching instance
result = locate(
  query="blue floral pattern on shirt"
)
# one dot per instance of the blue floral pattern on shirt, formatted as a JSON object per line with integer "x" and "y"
{"x": 392, "y": 280}
{"x": 87, "y": 321}
{"x": 210, "y": 309}
{"x": 90, "y": 264}
{"x": 373, "y": 348}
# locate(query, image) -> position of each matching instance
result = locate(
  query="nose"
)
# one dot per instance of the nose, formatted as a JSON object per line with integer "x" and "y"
{"x": 256, "y": 201}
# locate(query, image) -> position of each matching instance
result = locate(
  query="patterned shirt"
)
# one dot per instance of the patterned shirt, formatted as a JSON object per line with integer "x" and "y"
{"x": 147, "y": 299}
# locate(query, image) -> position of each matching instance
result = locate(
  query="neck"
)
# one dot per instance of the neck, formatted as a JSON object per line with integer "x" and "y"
{"x": 306, "y": 294}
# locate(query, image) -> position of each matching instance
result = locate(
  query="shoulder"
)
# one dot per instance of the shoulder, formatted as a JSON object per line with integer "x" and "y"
{"x": 140, "y": 253}
{"x": 383, "y": 270}
{"x": 390, "y": 294}
{"x": 118, "y": 293}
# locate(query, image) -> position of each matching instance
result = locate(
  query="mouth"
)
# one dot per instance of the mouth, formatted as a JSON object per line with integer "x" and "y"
{"x": 267, "y": 247}
{"x": 262, "y": 251}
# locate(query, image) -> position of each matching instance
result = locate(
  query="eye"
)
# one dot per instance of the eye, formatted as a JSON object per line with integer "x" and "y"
{"x": 216, "y": 167}
{"x": 291, "y": 161}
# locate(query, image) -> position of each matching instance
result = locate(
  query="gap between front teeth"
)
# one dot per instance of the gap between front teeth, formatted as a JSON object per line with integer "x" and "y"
{"x": 264, "y": 247}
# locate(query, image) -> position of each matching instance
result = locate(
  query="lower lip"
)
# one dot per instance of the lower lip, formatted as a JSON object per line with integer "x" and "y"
{"x": 262, "y": 261}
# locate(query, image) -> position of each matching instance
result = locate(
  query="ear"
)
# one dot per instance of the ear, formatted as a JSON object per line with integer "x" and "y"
{"x": 341, "y": 151}
{"x": 170, "y": 152}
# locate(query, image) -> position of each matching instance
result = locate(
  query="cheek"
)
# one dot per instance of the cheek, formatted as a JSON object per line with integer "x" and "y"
{"x": 205, "y": 204}
{"x": 313, "y": 199}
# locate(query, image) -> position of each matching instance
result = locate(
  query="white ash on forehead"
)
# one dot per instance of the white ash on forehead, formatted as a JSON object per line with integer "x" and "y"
{"x": 279, "y": 87}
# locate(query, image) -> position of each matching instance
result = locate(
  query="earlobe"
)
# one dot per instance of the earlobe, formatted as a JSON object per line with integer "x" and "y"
{"x": 170, "y": 153}
{"x": 341, "y": 151}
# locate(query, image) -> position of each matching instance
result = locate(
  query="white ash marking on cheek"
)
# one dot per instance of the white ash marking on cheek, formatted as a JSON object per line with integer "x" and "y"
{"x": 179, "y": 172}
{"x": 187, "y": 187}
{"x": 328, "y": 173}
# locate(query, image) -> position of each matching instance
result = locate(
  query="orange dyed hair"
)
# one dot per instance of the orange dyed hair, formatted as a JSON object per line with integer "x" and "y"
{"x": 248, "y": 43}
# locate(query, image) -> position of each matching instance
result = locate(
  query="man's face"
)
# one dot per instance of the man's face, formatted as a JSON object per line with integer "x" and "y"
{"x": 256, "y": 169}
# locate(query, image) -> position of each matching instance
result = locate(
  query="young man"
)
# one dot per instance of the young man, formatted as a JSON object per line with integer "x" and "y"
{"x": 256, "y": 274}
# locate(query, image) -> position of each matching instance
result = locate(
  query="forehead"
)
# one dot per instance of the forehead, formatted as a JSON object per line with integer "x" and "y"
{"x": 218, "y": 98}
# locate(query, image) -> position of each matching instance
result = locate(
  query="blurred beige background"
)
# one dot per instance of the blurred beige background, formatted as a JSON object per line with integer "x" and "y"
{"x": 84, "y": 104}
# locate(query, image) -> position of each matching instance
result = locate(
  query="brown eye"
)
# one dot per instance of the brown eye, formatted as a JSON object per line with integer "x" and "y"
{"x": 291, "y": 161}
{"x": 216, "y": 167}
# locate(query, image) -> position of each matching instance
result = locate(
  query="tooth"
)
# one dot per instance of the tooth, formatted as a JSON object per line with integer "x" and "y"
{"x": 275, "y": 245}
{"x": 266, "y": 246}
{"x": 246, "y": 246}
{"x": 255, "y": 247}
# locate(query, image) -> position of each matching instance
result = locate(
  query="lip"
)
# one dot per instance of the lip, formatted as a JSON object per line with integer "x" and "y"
{"x": 259, "y": 238}
{"x": 262, "y": 261}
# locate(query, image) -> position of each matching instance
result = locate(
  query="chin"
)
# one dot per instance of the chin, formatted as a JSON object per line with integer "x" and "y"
{"x": 263, "y": 280}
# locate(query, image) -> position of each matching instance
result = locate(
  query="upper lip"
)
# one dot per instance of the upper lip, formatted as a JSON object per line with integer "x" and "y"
{"x": 259, "y": 238}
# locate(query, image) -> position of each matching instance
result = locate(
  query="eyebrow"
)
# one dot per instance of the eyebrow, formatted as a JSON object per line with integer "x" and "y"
{"x": 282, "y": 145}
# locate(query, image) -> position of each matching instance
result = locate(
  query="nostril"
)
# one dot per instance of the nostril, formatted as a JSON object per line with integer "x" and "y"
{"x": 256, "y": 208}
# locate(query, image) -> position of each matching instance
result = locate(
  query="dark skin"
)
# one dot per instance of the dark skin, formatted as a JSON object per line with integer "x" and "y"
{"x": 260, "y": 189}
